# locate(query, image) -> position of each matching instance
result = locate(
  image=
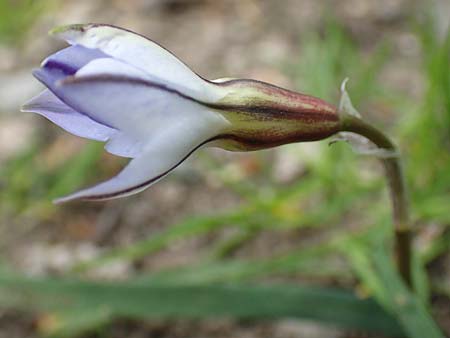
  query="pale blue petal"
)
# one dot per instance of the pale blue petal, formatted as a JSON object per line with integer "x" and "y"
{"x": 49, "y": 106}
{"x": 137, "y": 107}
{"x": 72, "y": 58}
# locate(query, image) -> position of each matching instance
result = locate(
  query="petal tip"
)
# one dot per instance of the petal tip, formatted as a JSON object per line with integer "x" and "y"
{"x": 76, "y": 196}
{"x": 25, "y": 108}
{"x": 59, "y": 200}
{"x": 29, "y": 106}
{"x": 69, "y": 33}
{"x": 83, "y": 195}
{"x": 78, "y": 27}
{"x": 69, "y": 198}
{"x": 40, "y": 74}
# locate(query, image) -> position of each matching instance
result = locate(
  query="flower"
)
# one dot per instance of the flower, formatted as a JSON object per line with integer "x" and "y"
{"x": 116, "y": 86}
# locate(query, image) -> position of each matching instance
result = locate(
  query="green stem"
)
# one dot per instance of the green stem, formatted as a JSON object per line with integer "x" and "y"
{"x": 398, "y": 193}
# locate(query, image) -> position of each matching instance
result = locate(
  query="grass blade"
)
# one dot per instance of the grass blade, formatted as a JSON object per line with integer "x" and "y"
{"x": 129, "y": 299}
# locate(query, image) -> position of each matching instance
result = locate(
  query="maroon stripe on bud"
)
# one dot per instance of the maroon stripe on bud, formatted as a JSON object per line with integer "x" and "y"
{"x": 256, "y": 141}
{"x": 280, "y": 102}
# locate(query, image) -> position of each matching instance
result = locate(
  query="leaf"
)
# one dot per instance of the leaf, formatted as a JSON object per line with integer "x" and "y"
{"x": 408, "y": 308}
{"x": 420, "y": 278}
{"x": 128, "y": 299}
{"x": 381, "y": 277}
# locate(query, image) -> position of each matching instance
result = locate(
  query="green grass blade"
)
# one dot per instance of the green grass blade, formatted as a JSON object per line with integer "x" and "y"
{"x": 128, "y": 299}
{"x": 380, "y": 276}
{"x": 411, "y": 312}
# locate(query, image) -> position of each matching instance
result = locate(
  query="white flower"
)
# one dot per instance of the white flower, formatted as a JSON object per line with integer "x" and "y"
{"x": 116, "y": 86}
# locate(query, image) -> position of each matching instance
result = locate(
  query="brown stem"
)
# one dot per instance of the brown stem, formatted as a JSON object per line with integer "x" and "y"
{"x": 395, "y": 178}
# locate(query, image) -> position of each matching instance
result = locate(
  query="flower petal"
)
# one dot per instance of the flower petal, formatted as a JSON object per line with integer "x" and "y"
{"x": 162, "y": 154}
{"x": 64, "y": 63}
{"x": 135, "y": 106}
{"x": 49, "y": 106}
{"x": 165, "y": 125}
{"x": 72, "y": 58}
{"x": 109, "y": 66}
{"x": 49, "y": 76}
{"x": 125, "y": 145}
{"x": 142, "y": 53}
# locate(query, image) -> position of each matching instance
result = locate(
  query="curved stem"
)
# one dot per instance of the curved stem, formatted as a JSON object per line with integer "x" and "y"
{"x": 396, "y": 182}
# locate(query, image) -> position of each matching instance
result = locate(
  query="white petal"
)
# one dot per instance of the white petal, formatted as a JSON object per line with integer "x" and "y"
{"x": 108, "y": 66}
{"x": 144, "y": 54}
{"x": 136, "y": 107}
{"x": 161, "y": 155}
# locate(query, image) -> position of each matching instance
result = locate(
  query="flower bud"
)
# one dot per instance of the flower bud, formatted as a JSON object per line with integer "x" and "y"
{"x": 121, "y": 88}
{"x": 263, "y": 115}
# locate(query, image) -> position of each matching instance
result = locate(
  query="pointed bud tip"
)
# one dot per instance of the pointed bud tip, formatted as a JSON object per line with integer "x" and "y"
{"x": 67, "y": 31}
{"x": 64, "y": 28}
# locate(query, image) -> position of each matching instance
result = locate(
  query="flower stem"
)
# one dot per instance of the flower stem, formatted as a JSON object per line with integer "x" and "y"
{"x": 398, "y": 193}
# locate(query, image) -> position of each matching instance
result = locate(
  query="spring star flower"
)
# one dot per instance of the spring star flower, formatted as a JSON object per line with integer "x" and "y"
{"x": 118, "y": 87}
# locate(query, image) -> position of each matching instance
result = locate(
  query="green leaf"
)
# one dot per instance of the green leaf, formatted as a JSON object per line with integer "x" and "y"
{"x": 408, "y": 308}
{"x": 128, "y": 299}
{"x": 380, "y": 276}
{"x": 420, "y": 278}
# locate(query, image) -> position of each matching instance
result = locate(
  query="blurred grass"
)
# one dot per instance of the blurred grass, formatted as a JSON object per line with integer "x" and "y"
{"x": 334, "y": 178}
{"x": 26, "y": 178}
{"x": 81, "y": 304}
{"x": 16, "y": 16}
{"x": 427, "y": 133}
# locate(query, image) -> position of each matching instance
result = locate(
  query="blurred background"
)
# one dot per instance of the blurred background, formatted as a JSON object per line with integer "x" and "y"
{"x": 301, "y": 213}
